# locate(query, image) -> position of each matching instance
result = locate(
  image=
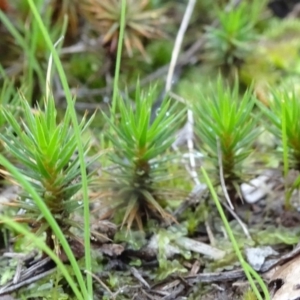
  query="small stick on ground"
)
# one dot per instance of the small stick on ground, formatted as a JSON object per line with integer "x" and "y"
{"x": 101, "y": 283}
{"x": 242, "y": 224}
{"x": 222, "y": 180}
{"x": 190, "y": 144}
{"x": 15, "y": 287}
{"x": 210, "y": 234}
{"x": 139, "y": 277}
{"x": 223, "y": 185}
{"x": 178, "y": 42}
{"x": 188, "y": 137}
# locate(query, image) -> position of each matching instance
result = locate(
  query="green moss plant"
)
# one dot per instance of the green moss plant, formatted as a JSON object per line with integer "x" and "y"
{"x": 229, "y": 43}
{"x": 45, "y": 149}
{"x": 88, "y": 289}
{"x": 283, "y": 120}
{"x": 226, "y": 127}
{"x": 139, "y": 147}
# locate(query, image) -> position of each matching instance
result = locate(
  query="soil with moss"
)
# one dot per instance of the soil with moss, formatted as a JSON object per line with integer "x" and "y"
{"x": 192, "y": 257}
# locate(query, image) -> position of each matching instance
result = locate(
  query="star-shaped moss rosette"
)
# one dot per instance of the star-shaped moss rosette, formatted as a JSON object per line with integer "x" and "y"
{"x": 141, "y": 22}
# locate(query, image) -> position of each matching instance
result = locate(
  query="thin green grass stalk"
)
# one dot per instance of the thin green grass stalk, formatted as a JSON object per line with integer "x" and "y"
{"x": 285, "y": 154}
{"x": 2, "y": 72}
{"x": 43, "y": 247}
{"x": 86, "y": 290}
{"x": 49, "y": 71}
{"x": 246, "y": 267}
{"x": 32, "y": 61}
{"x": 48, "y": 216}
{"x": 31, "y": 37}
{"x": 118, "y": 60}
{"x": 284, "y": 142}
{"x": 56, "y": 45}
